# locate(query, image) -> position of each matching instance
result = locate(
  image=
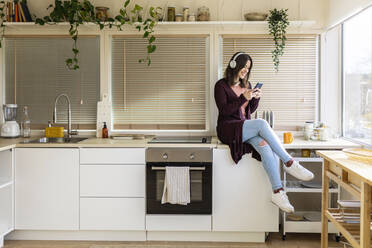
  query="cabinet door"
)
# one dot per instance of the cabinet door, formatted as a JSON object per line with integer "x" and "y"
{"x": 47, "y": 189}
{"x": 242, "y": 195}
{"x": 112, "y": 214}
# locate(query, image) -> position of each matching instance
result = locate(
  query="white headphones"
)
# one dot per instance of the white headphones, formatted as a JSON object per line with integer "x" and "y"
{"x": 233, "y": 62}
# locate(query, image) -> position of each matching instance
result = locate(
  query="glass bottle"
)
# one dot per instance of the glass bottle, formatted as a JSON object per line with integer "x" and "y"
{"x": 26, "y": 123}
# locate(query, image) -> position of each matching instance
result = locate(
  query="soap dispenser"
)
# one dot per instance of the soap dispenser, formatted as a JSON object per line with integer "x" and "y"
{"x": 104, "y": 131}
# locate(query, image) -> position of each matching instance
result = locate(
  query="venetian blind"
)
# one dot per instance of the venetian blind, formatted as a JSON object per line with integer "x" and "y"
{"x": 36, "y": 73}
{"x": 291, "y": 93}
{"x": 169, "y": 94}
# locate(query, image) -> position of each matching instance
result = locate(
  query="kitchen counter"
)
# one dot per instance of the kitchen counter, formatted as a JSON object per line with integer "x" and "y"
{"x": 298, "y": 143}
{"x": 96, "y": 142}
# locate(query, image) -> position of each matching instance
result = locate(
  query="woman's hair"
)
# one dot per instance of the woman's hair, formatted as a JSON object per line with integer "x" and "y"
{"x": 231, "y": 73}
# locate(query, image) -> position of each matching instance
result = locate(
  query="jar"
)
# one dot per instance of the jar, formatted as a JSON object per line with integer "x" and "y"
{"x": 308, "y": 130}
{"x": 179, "y": 17}
{"x": 203, "y": 13}
{"x": 185, "y": 13}
{"x": 101, "y": 13}
{"x": 171, "y": 14}
{"x": 191, "y": 18}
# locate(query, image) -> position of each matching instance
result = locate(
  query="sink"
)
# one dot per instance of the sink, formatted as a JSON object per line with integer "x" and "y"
{"x": 45, "y": 140}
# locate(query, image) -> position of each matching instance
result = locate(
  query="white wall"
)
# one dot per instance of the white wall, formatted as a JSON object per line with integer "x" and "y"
{"x": 338, "y": 10}
{"x": 222, "y": 10}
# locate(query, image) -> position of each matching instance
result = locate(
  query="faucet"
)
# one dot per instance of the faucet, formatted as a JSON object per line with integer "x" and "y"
{"x": 69, "y": 131}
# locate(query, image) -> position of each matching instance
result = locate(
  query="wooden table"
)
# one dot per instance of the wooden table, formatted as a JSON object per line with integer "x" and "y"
{"x": 355, "y": 177}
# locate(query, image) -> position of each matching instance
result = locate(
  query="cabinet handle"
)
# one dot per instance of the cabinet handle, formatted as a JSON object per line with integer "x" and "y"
{"x": 191, "y": 168}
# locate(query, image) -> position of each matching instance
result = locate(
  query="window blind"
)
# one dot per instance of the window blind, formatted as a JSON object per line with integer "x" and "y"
{"x": 36, "y": 73}
{"x": 169, "y": 94}
{"x": 291, "y": 92}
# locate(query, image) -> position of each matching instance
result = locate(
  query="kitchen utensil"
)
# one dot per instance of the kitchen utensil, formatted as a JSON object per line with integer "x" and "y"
{"x": 314, "y": 185}
{"x": 10, "y": 128}
{"x": 313, "y": 216}
{"x": 254, "y": 16}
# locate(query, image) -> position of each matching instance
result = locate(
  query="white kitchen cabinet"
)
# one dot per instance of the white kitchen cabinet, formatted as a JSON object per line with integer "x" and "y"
{"x": 124, "y": 180}
{"x": 47, "y": 192}
{"x": 6, "y": 194}
{"x": 241, "y": 195}
{"x": 112, "y": 189}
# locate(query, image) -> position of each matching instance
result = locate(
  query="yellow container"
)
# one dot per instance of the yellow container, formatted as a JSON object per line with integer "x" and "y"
{"x": 54, "y": 132}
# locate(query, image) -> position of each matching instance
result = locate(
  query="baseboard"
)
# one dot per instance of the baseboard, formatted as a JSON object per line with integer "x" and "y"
{"x": 138, "y": 236}
{"x": 77, "y": 235}
{"x": 207, "y": 236}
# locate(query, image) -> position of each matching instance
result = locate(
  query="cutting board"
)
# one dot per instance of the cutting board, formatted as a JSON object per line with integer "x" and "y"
{"x": 361, "y": 154}
{"x": 103, "y": 115}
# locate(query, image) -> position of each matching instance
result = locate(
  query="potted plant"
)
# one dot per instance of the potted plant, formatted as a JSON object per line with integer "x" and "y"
{"x": 278, "y": 23}
{"x": 77, "y": 12}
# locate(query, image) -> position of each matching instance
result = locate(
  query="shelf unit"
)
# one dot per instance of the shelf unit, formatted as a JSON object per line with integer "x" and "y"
{"x": 6, "y": 193}
{"x": 295, "y": 187}
{"x": 355, "y": 177}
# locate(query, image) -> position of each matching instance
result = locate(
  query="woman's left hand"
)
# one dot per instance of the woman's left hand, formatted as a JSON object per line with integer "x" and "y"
{"x": 257, "y": 93}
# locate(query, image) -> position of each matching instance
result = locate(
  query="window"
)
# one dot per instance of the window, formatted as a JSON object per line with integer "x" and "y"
{"x": 171, "y": 94}
{"x": 35, "y": 73}
{"x": 291, "y": 92}
{"x": 357, "y": 77}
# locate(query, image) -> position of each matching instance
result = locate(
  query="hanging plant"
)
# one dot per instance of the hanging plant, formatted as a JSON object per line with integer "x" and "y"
{"x": 2, "y": 20}
{"x": 278, "y": 23}
{"x": 77, "y": 12}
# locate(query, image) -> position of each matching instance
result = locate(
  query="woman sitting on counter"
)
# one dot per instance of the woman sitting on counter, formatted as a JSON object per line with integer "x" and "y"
{"x": 236, "y": 101}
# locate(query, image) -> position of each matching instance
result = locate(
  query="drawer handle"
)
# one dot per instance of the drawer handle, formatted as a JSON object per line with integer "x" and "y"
{"x": 191, "y": 168}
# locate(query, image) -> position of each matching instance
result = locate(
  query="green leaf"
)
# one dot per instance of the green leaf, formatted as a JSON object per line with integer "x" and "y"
{"x": 126, "y": 3}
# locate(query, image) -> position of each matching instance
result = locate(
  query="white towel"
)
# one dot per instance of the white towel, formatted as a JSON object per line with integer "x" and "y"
{"x": 176, "y": 185}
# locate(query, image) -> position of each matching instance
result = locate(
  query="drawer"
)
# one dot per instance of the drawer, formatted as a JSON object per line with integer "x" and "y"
{"x": 175, "y": 222}
{"x": 112, "y": 180}
{"x": 112, "y": 156}
{"x": 112, "y": 213}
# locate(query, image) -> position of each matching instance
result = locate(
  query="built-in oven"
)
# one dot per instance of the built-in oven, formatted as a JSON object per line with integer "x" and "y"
{"x": 200, "y": 162}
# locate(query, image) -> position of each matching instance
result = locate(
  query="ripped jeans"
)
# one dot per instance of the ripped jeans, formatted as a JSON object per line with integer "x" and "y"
{"x": 256, "y": 132}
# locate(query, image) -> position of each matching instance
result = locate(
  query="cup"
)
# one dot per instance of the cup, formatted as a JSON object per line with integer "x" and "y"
{"x": 288, "y": 138}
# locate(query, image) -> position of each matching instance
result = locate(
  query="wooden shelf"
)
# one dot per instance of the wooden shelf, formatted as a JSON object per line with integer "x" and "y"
{"x": 226, "y": 27}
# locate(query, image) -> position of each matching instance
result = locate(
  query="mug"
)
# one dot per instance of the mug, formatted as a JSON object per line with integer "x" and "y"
{"x": 288, "y": 138}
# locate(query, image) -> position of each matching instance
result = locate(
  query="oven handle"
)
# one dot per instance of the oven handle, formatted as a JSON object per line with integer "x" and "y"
{"x": 191, "y": 168}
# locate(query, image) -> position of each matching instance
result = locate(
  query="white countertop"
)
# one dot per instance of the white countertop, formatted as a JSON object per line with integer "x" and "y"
{"x": 298, "y": 143}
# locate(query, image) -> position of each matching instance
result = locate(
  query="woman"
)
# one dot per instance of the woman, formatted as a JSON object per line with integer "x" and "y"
{"x": 236, "y": 101}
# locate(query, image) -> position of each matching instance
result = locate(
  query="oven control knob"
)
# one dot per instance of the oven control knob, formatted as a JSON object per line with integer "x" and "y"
{"x": 192, "y": 156}
{"x": 165, "y": 156}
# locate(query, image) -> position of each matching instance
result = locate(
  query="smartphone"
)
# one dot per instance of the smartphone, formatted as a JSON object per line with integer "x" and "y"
{"x": 258, "y": 86}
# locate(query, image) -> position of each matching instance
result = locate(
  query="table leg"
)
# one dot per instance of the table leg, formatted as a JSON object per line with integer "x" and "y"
{"x": 325, "y": 196}
{"x": 365, "y": 218}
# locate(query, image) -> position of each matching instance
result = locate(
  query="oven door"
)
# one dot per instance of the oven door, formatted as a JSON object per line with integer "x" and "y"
{"x": 200, "y": 189}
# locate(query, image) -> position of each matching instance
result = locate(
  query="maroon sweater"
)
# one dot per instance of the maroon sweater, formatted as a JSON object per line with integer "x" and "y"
{"x": 230, "y": 121}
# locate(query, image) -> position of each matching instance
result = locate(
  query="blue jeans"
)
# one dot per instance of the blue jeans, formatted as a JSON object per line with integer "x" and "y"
{"x": 254, "y": 132}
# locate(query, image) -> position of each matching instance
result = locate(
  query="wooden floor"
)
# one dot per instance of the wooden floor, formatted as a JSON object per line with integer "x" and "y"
{"x": 274, "y": 241}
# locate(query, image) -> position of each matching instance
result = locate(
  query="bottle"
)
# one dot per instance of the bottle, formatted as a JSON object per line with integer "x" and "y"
{"x": 26, "y": 123}
{"x": 104, "y": 131}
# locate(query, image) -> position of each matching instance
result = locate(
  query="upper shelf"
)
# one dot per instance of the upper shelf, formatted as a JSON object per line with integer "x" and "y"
{"x": 256, "y": 27}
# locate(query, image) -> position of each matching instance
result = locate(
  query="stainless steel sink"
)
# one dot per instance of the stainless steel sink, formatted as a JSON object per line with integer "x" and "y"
{"x": 45, "y": 140}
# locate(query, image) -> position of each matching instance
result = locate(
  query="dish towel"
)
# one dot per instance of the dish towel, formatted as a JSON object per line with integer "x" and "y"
{"x": 176, "y": 185}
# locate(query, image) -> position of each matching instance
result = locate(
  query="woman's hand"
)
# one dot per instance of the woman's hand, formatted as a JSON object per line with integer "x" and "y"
{"x": 248, "y": 94}
{"x": 256, "y": 93}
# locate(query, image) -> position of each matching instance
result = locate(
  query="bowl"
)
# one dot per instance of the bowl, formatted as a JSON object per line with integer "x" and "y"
{"x": 254, "y": 16}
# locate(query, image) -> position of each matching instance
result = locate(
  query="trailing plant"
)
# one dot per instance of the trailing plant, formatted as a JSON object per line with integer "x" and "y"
{"x": 2, "y": 20}
{"x": 77, "y": 12}
{"x": 278, "y": 23}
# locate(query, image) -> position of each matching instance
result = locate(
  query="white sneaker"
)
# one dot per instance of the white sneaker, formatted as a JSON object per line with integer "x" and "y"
{"x": 281, "y": 200}
{"x": 299, "y": 172}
